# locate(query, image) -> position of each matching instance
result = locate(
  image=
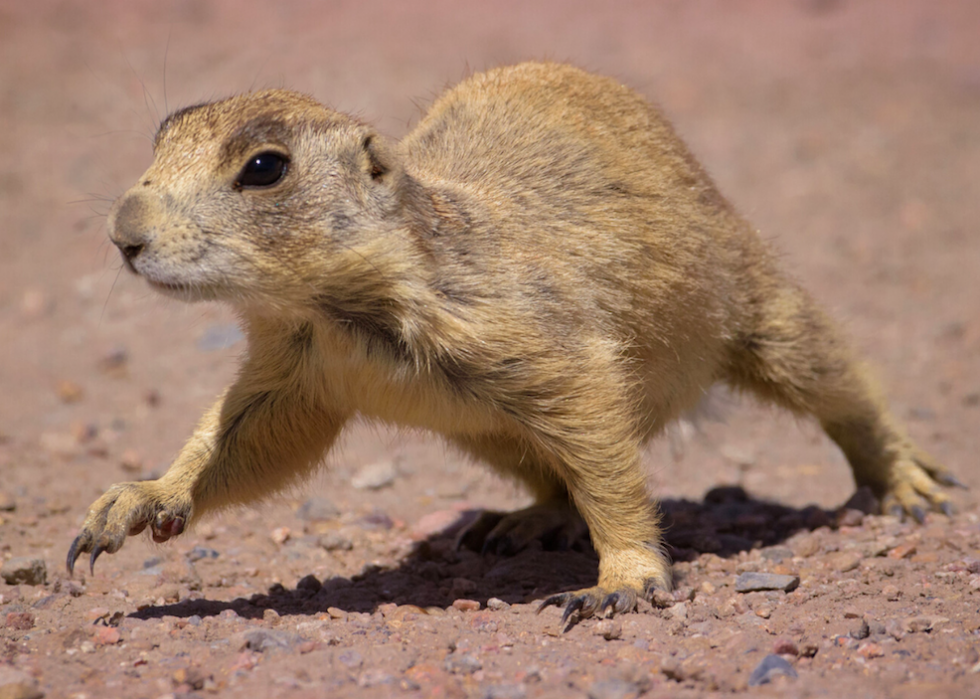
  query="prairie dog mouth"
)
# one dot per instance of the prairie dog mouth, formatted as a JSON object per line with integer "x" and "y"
{"x": 182, "y": 291}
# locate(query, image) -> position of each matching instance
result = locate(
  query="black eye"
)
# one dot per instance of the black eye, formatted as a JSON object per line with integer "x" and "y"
{"x": 262, "y": 170}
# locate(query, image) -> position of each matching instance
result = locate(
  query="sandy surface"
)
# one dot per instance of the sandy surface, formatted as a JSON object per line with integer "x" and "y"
{"x": 846, "y": 131}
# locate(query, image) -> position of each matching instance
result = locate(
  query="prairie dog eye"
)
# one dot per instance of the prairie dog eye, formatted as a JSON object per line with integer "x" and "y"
{"x": 262, "y": 170}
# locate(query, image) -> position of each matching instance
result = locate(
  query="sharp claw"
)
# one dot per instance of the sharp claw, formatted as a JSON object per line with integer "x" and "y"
{"x": 489, "y": 546}
{"x": 96, "y": 552}
{"x": 949, "y": 479}
{"x": 947, "y": 508}
{"x": 554, "y": 600}
{"x": 73, "y": 553}
{"x": 612, "y": 599}
{"x": 918, "y": 513}
{"x": 575, "y": 605}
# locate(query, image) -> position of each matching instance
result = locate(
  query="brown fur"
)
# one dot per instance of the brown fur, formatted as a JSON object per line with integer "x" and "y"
{"x": 540, "y": 272}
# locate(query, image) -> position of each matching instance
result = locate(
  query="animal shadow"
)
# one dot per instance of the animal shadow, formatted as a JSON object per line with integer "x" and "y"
{"x": 726, "y": 522}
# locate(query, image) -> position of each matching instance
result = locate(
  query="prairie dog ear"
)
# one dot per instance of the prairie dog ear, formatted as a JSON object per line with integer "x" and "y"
{"x": 378, "y": 159}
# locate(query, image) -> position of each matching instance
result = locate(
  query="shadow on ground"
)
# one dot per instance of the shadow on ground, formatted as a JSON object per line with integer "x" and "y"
{"x": 726, "y": 522}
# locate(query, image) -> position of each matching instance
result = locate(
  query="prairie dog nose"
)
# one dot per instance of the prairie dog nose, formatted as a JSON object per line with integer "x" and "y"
{"x": 129, "y": 227}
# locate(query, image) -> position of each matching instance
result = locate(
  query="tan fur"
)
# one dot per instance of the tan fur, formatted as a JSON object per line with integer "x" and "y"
{"x": 540, "y": 272}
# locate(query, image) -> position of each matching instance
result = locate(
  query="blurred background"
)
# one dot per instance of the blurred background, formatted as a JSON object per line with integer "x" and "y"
{"x": 846, "y": 131}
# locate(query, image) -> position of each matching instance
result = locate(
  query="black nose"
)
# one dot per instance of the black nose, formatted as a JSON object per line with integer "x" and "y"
{"x": 130, "y": 252}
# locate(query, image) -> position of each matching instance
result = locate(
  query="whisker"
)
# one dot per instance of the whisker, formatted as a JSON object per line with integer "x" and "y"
{"x": 111, "y": 289}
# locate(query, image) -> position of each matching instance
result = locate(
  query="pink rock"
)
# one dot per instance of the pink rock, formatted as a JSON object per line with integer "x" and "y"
{"x": 466, "y": 605}
{"x": 20, "y": 621}
{"x": 434, "y": 522}
{"x": 870, "y": 650}
{"x": 784, "y": 646}
{"x": 107, "y": 636}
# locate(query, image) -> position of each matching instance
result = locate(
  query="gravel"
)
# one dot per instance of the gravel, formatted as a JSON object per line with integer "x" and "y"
{"x": 24, "y": 571}
{"x": 771, "y": 667}
{"x": 755, "y": 582}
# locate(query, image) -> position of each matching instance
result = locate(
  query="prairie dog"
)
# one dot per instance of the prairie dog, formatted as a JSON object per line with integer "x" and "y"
{"x": 540, "y": 272}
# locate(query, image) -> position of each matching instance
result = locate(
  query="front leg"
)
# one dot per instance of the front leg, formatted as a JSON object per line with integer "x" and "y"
{"x": 270, "y": 428}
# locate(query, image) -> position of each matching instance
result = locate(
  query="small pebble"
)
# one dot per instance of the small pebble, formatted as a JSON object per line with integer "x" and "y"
{"x": 785, "y": 646}
{"x": 374, "y": 677}
{"x": 376, "y": 520}
{"x": 923, "y": 624}
{"x": 754, "y": 582}
{"x": 895, "y": 629}
{"x": 609, "y": 629}
{"x": 24, "y": 571}
{"x": 69, "y": 391}
{"x": 106, "y": 636}
{"x": 191, "y": 676}
{"x": 466, "y": 605}
{"x": 678, "y": 612}
{"x": 861, "y": 631}
{"x": 776, "y": 554}
{"x": 374, "y": 476}
{"x": 891, "y": 593}
{"x": 497, "y": 604}
{"x": 267, "y": 640}
{"x": 902, "y": 551}
{"x": 614, "y": 688}
{"x": 850, "y": 518}
{"x": 770, "y": 667}
{"x": 317, "y": 509}
{"x": 462, "y": 664}
{"x": 19, "y": 621}
{"x": 131, "y": 461}
{"x": 199, "y": 553}
{"x": 870, "y": 650}
{"x": 806, "y": 546}
{"x": 113, "y": 363}
{"x": 280, "y": 535}
{"x": 335, "y": 541}
{"x": 504, "y": 691}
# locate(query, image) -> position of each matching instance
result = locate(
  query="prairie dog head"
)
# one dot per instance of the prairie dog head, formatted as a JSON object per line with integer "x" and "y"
{"x": 260, "y": 198}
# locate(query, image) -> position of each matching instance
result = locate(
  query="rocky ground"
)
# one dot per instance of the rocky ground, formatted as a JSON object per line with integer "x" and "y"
{"x": 848, "y": 133}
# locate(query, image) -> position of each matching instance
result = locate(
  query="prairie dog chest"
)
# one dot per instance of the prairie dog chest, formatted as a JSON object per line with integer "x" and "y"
{"x": 361, "y": 379}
